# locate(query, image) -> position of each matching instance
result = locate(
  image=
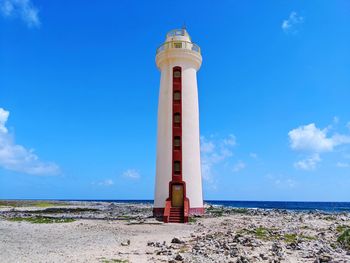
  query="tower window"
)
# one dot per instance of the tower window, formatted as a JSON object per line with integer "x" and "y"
{"x": 177, "y": 117}
{"x": 178, "y": 45}
{"x": 177, "y": 167}
{"x": 177, "y": 141}
{"x": 177, "y": 95}
{"x": 177, "y": 74}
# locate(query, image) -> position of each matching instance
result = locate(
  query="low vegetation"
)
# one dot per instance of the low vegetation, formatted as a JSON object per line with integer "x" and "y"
{"x": 272, "y": 234}
{"x": 41, "y": 220}
{"x": 192, "y": 219}
{"x": 262, "y": 233}
{"x": 58, "y": 210}
{"x": 342, "y": 228}
{"x": 344, "y": 239}
{"x": 219, "y": 211}
{"x": 31, "y": 203}
{"x": 307, "y": 237}
{"x": 240, "y": 210}
{"x": 290, "y": 238}
{"x": 215, "y": 211}
{"x": 329, "y": 218}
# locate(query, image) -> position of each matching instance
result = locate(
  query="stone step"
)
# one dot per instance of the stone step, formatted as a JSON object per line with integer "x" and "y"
{"x": 176, "y": 221}
{"x": 175, "y": 217}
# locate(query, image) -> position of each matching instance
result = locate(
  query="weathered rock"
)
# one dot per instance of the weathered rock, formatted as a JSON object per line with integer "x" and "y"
{"x": 263, "y": 256}
{"x": 242, "y": 259}
{"x": 176, "y": 240}
{"x": 179, "y": 257}
{"x": 324, "y": 258}
{"x": 127, "y": 243}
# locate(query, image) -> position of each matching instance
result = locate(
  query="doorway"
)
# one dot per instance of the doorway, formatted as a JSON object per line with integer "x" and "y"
{"x": 177, "y": 198}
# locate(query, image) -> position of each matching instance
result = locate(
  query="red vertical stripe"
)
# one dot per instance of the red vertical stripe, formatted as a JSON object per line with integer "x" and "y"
{"x": 177, "y": 126}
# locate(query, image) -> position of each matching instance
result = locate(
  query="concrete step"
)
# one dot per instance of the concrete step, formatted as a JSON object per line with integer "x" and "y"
{"x": 176, "y": 217}
{"x": 176, "y": 221}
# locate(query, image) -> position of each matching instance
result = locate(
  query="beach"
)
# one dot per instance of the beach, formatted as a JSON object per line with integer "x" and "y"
{"x": 76, "y": 231}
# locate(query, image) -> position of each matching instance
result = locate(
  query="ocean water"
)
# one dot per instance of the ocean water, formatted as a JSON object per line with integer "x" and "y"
{"x": 293, "y": 206}
{"x": 330, "y": 207}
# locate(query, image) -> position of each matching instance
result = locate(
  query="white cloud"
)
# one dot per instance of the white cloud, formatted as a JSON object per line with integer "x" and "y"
{"x": 17, "y": 158}
{"x": 253, "y": 155}
{"x": 107, "y": 182}
{"x": 240, "y": 165}
{"x": 23, "y": 9}
{"x": 281, "y": 181}
{"x": 132, "y": 174}
{"x": 293, "y": 22}
{"x": 213, "y": 152}
{"x": 309, "y": 163}
{"x": 3, "y": 119}
{"x": 206, "y": 146}
{"x": 230, "y": 140}
{"x": 312, "y": 139}
{"x": 286, "y": 183}
{"x": 342, "y": 165}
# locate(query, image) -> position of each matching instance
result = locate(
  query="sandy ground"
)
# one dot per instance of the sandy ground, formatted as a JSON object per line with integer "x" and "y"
{"x": 83, "y": 241}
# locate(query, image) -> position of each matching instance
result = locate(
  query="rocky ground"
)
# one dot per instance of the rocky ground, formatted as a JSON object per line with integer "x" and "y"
{"x": 118, "y": 232}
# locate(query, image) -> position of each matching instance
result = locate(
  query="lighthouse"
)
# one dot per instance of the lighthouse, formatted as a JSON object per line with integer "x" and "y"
{"x": 178, "y": 186}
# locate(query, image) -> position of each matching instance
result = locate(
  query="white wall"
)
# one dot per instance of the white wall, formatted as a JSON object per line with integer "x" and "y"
{"x": 191, "y": 167}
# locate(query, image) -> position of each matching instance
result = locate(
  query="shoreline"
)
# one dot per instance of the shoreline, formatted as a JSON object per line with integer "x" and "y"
{"x": 290, "y": 206}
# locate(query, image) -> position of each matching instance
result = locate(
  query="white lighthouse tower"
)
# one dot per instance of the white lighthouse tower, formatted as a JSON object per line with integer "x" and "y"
{"x": 178, "y": 188}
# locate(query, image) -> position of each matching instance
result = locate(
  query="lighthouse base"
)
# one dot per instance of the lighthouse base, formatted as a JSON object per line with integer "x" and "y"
{"x": 158, "y": 212}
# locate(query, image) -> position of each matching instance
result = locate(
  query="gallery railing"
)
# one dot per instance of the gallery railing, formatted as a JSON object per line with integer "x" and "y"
{"x": 179, "y": 44}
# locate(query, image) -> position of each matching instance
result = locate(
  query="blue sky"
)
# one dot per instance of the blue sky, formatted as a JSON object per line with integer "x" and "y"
{"x": 79, "y": 93}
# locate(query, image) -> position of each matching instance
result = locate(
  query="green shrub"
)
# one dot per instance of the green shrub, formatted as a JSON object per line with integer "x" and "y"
{"x": 262, "y": 233}
{"x": 290, "y": 238}
{"x": 342, "y": 228}
{"x": 344, "y": 239}
{"x": 240, "y": 210}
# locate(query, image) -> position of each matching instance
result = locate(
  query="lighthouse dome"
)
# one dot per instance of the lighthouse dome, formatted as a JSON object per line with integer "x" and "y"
{"x": 178, "y": 34}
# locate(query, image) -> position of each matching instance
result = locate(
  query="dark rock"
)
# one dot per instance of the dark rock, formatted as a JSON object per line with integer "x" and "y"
{"x": 234, "y": 252}
{"x": 324, "y": 258}
{"x": 277, "y": 250}
{"x": 179, "y": 257}
{"x": 127, "y": 243}
{"x": 175, "y": 240}
{"x": 293, "y": 246}
{"x": 263, "y": 257}
{"x": 242, "y": 259}
{"x": 307, "y": 255}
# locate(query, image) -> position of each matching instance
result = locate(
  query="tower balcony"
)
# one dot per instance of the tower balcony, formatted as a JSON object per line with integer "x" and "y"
{"x": 178, "y": 47}
{"x": 179, "y": 44}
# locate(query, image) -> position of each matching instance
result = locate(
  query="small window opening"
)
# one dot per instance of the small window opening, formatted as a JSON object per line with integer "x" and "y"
{"x": 177, "y": 74}
{"x": 177, "y": 167}
{"x": 177, "y": 118}
{"x": 177, "y": 95}
{"x": 177, "y": 141}
{"x": 178, "y": 45}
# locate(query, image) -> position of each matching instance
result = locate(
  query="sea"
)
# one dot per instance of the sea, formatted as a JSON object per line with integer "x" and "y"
{"x": 330, "y": 207}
